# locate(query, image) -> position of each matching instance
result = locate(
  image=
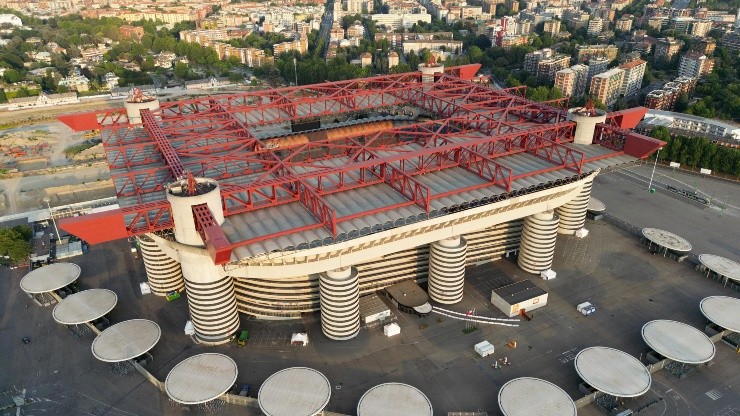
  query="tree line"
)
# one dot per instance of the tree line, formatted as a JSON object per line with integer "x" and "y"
{"x": 697, "y": 152}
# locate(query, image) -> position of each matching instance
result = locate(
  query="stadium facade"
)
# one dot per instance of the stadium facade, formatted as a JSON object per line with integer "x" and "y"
{"x": 286, "y": 201}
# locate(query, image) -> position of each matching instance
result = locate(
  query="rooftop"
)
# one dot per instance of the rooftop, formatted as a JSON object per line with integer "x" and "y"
{"x": 613, "y": 372}
{"x": 519, "y": 291}
{"x": 85, "y": 306}
{"x": 296, "y": 391}
{"x": 201, "y": 378}
{"x": 529, "y": 396}
{"x": 51, "y": 277}
{"x": 126, "y": 340}
{"x": 678, "y": 341}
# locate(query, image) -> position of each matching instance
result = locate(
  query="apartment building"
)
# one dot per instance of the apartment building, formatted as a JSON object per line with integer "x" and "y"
{"x": 667, "y": 48}
{"x": 694, "y": 65}
{"x": 606, "y": 86}
{"x": 572, "y": 81}
{"x": 632, "y": 80}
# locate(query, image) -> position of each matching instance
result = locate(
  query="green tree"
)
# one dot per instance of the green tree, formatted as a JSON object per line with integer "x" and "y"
{"x": 682, "y": 103}
{"x": 12, "y": 76}
{"x": 3, "y": 97}
{"x": 14, "y": 243}
{"x": 181, "y": 71}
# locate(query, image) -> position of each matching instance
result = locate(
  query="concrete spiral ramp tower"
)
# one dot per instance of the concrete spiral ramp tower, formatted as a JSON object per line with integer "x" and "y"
{"x": 447, "y": 270}
{"x": 162, "y": 272}
{"x": 538, "y": 242}
{"x": 340, "y": 303}
{"x": 210, "y": 293}
{"x": 573, "y": 214}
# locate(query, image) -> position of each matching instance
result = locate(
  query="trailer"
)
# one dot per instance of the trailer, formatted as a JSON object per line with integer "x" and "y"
{"x": 484, "y": 348}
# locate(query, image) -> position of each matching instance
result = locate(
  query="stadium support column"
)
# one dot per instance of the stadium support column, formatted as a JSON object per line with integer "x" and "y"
{"x": 447, "y": 270}
{"x": 573, "y": 214}
{"x": 537, "y": 247}
{"x": 162, "y": 272}
{"x": 210, "y": 293}
{"x": 339, "y": 292}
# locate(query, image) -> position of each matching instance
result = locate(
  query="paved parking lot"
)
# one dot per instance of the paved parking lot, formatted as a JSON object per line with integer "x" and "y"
{"x": 628, "y": 285}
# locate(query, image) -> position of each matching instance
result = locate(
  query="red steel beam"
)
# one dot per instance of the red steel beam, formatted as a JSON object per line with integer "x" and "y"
{"x": 172, "y": 160}
{"x": 213, "y": 236}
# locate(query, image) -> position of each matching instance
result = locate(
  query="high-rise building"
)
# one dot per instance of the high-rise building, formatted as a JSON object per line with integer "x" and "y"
{"x": 595, "y": 26}
{"x": 694, "y": 65}
{"x": 546, "y": 68}
{"x": 551, "y": 27}
{"x": 532, "y": 59}
{"x": 658, "y": 100}
{"x": 632, "y": 80}
{"x": 666, "y": 48}
{"x": 607, "y": 86}
{"x": 624, "y": 24}
{"x": 700, "y": 28}
{"x": 572, "y": 81}
{"x": 596, "y": 66}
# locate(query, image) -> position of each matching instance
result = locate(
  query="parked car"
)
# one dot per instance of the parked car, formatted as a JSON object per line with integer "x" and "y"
{"x": 586, "y": 308}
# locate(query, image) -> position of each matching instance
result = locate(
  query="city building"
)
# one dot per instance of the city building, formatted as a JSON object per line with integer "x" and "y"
{"x": 366, "y": 59}
{"x": 692, "y": 126}
{"x": 607, "y": 86}
{"x": 632, "y": 80}
{"x": 572, "y": 81}
{"x": 392, "y": 59}
{"x": 551, "y": 27}
{"x": 586, "y": 52}
{"x": 667, "y": 48}
{"x": 42, "y": 100}
{"x": 532, "y": 59}
{"x": 242, "y": 237}
{"x": 300, "y": 45}
{"x": 131, "y": 32}
{"x": 76, "y": 82}
{"x": 596, "y": 65}
{"x": 547, "y": 67}
{"x": 11, "y": 20}
{"x": 731, "y": 40}
{"x": 400, "y": 21}
{"x": 659, "y": 100}
{"x": 694, "y": 65}
{"x": 700, "y": 28}
{"x": 624, "y": 23}
{"x": 450, "y": 46}
{"x": 595, "y": 26}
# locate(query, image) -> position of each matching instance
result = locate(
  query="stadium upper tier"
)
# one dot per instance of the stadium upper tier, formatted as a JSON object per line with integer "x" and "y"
{"x": 432, "y": 145}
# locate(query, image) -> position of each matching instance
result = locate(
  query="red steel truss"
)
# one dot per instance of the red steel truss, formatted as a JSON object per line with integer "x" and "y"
{"x": 471, "y": 127}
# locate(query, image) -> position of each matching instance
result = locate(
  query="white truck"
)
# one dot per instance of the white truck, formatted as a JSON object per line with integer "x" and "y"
{"x": 586, "y": 308}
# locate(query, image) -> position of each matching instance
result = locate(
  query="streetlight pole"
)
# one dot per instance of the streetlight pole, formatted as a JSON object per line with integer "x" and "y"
{"x": 295, "y": 70}
{"x": 650, "y": 185}
{"x": 51, "y": 214}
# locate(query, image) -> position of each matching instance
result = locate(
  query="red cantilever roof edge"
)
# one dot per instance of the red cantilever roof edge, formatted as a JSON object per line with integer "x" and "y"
{"x": 80, "y": 121}
{"x": 96, "y": 228}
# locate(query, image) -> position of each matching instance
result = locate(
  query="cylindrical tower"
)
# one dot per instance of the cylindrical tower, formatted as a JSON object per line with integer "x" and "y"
{"x": 210, "y": 294}
{"x": 538, "y": 242}
{"x": 586, "y": 119}
{"x": 447, "y": 270}
{"x": 573, "y": 214}
{"x": 210, "y": 298}
{"x": 340, "y": 303}
{"x": 162, "y": 272}
{"x": 429, "y": 69}
{"x": 182, "y": 200}
{"x": 134, "y": 106}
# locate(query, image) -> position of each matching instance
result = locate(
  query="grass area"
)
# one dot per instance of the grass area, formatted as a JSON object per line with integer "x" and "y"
{"x": 73, "y": 150}
{"x": 470, "y": 329}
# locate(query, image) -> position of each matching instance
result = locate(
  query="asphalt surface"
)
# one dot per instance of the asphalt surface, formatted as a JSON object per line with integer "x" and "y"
{"x": 609, "y": 268}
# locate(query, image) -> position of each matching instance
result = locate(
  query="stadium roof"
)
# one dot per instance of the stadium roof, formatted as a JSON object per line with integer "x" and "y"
{"x": 478, "y": 145}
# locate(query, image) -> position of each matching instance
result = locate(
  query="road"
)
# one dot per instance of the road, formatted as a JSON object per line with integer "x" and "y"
{"x": 710, "y": 228}
{"x": 326, "y": 22}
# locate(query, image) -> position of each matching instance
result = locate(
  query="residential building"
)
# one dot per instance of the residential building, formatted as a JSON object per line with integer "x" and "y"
{"x": 546, "y": 68}
{"x": 366, "y": 59}
{"x": 572, "y": 81}
{"x": 451, "y": 46}
{"x": 693, "y": 126}
{"x": 586, "y": 52}
{"x": 131, "y": 32}
{"x": 596, "y": 66}
{"x": 624, "y": 23}
{"x": 336, "y": 32}
{"x": 42, "y": 100}
{"x": 111, "y": 80}
{"x": 632, "y": 80}
{"x": 694, "y": 65}
{"x": 300, "y": 45}
{"x": 659, "y": 100}
{"x": 400, "y": 21}
{"x": 76, "y": 82}
{"x": 667, "y": 48}
{"x": 532, "y": 59}
{"x": 705, "y": 46}
{"x": 700, "y": 28}
{"x": 606, "y": 86}
{"x": 595, "y": 26}
{"x": 552, "y": 27}
{"x": 207, "y": 83}
{"x": 731, "y": 40}
{"x": 392, "y": 59}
